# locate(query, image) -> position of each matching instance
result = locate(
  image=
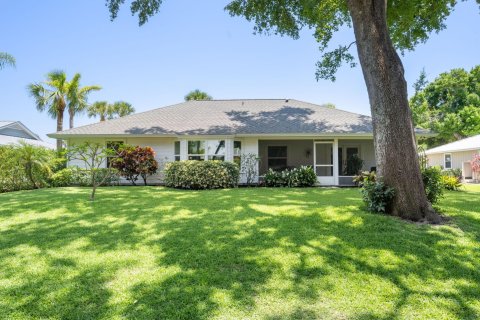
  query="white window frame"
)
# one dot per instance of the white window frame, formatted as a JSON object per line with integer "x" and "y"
{"x": 209, "y": 155}
{"x": 445, "y": 161}
{"x": 176, "y": 156}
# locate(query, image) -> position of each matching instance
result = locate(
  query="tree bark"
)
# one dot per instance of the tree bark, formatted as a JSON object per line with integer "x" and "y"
{"x": 394, "y": 137}
{"x": 59, "y": 128}
{"x": 71, "y": 115}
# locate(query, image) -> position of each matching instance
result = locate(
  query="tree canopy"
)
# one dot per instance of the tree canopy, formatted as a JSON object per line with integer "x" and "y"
{"x": 197, "y": 95}
{"x": 105, "y": 110}
{"x": 410, "y": 22}
{"x": 381, "y": 28}
{"x": 449, "y": 105}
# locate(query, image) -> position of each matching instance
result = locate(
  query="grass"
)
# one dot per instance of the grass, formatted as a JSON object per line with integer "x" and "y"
{"x": 154, "y": 253}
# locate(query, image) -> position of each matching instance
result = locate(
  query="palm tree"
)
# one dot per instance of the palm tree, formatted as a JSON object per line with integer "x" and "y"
{"x": 51, "y": 96}
{"x": 197, "y": 95}
{"x": 105, "y": 111}
{"x": 122, "y": 108}
{"x": 99, "y": 108}
{"x": 77, "y": 97}
{"x": 6, "y": 60}
{"x": 34, "y": 160}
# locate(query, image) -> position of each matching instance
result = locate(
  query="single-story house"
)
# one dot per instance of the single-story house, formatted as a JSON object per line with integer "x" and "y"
{"x": 12, "y": 132}
{"x": 455, "y": 155}
{"x": 282, "y": 133}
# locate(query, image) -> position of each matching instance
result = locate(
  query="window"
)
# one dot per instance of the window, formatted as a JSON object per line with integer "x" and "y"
{"x": 448, "y": 161}
{"x": 216, "y": 149}
{"x": 177, "y": 150}
{"x": 237, "y": 152}
{"x": 114, "y": 145}
{"x": 277, "y": 157}
{"x": 196, "y": 150}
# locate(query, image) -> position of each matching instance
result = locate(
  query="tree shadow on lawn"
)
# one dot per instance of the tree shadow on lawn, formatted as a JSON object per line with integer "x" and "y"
{"x": 232, "y": 248}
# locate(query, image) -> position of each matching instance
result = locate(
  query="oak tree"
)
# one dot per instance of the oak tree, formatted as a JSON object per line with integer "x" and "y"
{"x": 380, "y": 28}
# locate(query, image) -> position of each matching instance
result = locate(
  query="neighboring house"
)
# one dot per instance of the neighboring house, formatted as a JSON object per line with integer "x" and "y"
{"x": 282, "y": 133}
{"x": 455, "y": 155}
{"x": 12, "y": 132}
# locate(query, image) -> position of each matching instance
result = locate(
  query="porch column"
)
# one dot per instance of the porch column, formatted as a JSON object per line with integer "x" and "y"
{"x": 228, "y": 149}
{"x": 183, "y": 149}
{"x": 335, "y": 161}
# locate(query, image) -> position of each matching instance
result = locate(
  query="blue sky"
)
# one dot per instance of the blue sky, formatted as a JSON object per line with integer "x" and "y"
{"x": 191, "y": 44}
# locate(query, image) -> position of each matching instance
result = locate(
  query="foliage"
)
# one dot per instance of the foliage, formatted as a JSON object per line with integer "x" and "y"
{"x": 303, "y": 176}
{"x": 6, "y": 59}
{"x": 377, "y": 196}
{"x": 451, "y": 183}
{"x": 249, "y": 167}
{"x": 93, "y": 157}
{"x": 410, "y": 22}
{"x": 56, "y": 94}
{"x": 24, "y": 166}
{"x": 450, "y": 105}
{"x": 365, "y": 177}
{"x": 63, "y": 178}
{"x": 132, "y": 162}
{"x": 197, "y": 95}
{"x": 354, "y": 165}
{"x": 452, "y": 179}
{"x": 193, "y": 174}
{"x": 105, "y": 110}
{"x": 456, "y": 173}
{"x": 433, "y": 183}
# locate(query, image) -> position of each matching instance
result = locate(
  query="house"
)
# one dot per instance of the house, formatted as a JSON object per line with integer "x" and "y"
{"x": 455, "y": 155}
{"x": 12, "y": 132}
{"x": 282, "y": 133}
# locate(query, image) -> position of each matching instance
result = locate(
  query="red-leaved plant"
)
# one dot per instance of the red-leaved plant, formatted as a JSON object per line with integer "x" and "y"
{"x": 476, "y": 166}
{"x": 133, "y": 162}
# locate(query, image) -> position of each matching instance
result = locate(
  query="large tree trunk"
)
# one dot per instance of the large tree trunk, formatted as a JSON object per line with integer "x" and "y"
{"x": 394, "y": 138}
{"x": 59, "y": 128}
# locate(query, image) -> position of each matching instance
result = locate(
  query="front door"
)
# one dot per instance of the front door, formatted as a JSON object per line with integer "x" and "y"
{"x": 324, "y": 162}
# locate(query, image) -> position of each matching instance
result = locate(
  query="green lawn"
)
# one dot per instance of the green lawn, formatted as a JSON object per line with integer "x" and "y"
{"x": 155, "y": 253}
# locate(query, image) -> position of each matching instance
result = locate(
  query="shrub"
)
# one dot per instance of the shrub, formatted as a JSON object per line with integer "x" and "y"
{"x": 132, "y": 162}
{"x": 365, "y": 176}
{"x": 298, "y": 177}
{"x": 432, "y": 181}
{"x": 451, "y": 183}
{"x": 24, "y": 166}
{"x": 457, "y": 173}
{"x": 63, "y": 178}
{"x": 377, "y": 196}
{"x": 194, "y": 174}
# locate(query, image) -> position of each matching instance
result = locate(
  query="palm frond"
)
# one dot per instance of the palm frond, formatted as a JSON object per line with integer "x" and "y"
{"x": 6, "y": 59}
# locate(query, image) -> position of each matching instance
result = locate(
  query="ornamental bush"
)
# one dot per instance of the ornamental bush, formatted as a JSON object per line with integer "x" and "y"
{"x": 133, "y": 162}
{"x": 377, "y": 196}
{"x": 298, "y": 177}
{"x": 432, "y": 181}
{"x": 194, "y": 174}
{"x": 75, "y": 176}
{"x": 451, "y": 183}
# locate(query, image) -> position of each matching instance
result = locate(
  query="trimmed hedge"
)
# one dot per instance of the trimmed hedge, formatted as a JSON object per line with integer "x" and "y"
{"x": 194, "y": 174}
{"x": 298, "y": 177}
{"x": 75, "y": 176}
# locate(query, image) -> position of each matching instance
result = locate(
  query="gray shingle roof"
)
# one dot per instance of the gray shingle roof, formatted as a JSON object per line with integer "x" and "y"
{"x": 230, "y": 117}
